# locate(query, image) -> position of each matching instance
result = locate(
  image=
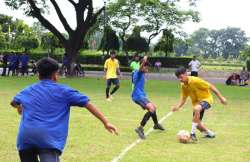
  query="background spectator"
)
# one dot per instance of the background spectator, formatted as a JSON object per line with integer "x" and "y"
{"x": 194, "y": 65}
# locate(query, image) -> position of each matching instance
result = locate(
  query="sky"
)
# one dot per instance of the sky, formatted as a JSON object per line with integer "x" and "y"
{"x": 215, "y": 14}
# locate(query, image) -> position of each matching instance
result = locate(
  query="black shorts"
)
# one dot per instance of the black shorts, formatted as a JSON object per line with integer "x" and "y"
{"x": 114, "y": 81}
{"x": 194, "y": 73}
{"x": 205, "y": 106}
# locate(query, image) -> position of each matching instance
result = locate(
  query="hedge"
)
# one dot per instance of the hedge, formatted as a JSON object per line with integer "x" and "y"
{"x": 99, "y": 60}
{"x": 248, "y": 65}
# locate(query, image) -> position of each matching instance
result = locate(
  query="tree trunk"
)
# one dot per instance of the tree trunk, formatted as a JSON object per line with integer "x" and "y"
{"x": 71, "y": 56}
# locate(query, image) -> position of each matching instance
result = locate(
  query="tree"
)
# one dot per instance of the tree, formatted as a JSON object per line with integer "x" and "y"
{"x": 110, "y": 40}
{"x": 27, "y": 41}
{"x": 85, "y": 19}
{"x": 181, "y": 46}
{"x": 137, "y": 43}
{"x": 232, "y": 40}
{"x": 3, "y": 41}
{"x": 122, "y": 15}
{"x": 200, "y": 41}
{"x": 166, "y": 42}
{"x": 158, "y": 15}
{"x": 49, "y": 41}
{"x": 245, "y": 53}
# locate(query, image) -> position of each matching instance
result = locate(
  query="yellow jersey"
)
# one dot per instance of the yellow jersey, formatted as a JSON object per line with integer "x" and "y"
{"x": 197, "y": 89}
{"x": 111, "y": 66}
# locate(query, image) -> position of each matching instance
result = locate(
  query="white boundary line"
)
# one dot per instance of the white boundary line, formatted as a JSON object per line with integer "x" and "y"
{"x": 129, "y": 147}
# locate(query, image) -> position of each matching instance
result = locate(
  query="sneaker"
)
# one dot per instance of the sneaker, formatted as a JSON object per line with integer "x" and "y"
{"x": 158, "y": 126}
{"x": 109, "y": 99}
{"x": 210, "y": 134}
{"x": 193, "y": 137}
{"x": 140, "y": 132}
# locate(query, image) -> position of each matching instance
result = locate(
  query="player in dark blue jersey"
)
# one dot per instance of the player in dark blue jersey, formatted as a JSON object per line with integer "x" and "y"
{"x": 140, "y": 98}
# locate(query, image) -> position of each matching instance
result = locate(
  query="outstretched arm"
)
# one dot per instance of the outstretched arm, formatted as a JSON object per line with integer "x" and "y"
{"x": 180, "y": 104}
{"x": 91, "y": 108}
{"x": 218, "y": 94}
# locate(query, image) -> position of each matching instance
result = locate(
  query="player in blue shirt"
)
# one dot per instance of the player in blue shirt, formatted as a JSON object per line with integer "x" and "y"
{"x": 45, "y": 108}
{"x": 24, "y": 60}
{"x": 140, "y": 98}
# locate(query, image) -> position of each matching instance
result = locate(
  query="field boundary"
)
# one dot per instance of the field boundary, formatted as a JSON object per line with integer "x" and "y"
{"x": 132, "y": 145}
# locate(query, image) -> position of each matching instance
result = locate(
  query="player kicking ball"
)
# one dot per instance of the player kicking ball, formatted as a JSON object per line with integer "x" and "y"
{"x": 200, "y": 93}
{"x": 139, "y": 97}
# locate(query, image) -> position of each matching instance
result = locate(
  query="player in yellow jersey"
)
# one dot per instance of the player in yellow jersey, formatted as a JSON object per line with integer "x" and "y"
{"x": 199, "y": 91}
{"x": 111, "y": 70}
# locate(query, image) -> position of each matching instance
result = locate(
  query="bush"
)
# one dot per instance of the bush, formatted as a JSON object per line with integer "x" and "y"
{"x": 99, "y": 60}
{"x": 248, "y": 65}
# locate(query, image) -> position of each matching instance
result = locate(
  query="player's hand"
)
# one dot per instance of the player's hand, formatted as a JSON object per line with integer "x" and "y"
{"x": 120, "y": 76}
{"x": 174, "y": 108}
{"x": 112, "y": 129}
{"x": 104, "y": 76}
{"x": 19, "y": 110}
{"x": 223, "y": 100}
{"x": 145, "y": 58}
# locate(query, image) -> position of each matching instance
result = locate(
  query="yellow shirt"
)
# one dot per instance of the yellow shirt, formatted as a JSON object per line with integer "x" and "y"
{"x": 111, "y": 66}
{"x": 197, "y": 89}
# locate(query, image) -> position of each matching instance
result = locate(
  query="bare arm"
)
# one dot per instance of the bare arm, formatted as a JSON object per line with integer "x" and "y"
{"x": 91, "y": 108}
{"x": 17, "y": 106}
{"x": 218, "y": 94}
{"x": 180, "y": 104}
{"x": 145, "y": 58}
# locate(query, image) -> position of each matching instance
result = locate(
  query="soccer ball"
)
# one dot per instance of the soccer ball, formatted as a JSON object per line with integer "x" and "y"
{"x": 183, "y": 136}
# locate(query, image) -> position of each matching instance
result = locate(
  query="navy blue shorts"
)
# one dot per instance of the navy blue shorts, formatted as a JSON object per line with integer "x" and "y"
{"x": 114, "y": 81}
{"x": 142, "y": 102}
{"x": 205, "y": 106}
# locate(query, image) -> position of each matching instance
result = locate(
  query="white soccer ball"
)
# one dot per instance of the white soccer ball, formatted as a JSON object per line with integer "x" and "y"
{"x": 183, "y": 136}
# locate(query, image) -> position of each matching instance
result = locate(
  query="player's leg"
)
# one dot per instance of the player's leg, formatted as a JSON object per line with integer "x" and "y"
{"x": 196, "y": 121}
{"x": 49, "y": 155}
{"x": 207, "y": 133}
{"x": 28, "y": 155}
{"x": 152, "y": 109}
{"x": 117, "y": 85}
{"x": 108, "y": 85}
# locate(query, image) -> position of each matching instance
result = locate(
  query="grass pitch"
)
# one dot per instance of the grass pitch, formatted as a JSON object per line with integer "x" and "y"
{"x": 88, "y": 141}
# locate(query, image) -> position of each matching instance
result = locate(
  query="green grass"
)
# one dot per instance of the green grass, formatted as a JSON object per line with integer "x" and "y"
{"x": 88, "y": 141}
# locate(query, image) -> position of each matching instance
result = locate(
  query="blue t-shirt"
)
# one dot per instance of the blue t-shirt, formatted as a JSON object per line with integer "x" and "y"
{"x": 45, "y": 116}
{"x": 138, "y": 81}
{"x": 24, "y": 59}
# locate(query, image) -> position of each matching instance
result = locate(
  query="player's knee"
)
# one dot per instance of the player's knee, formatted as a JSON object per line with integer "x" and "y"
{"x": 197, "y": 109}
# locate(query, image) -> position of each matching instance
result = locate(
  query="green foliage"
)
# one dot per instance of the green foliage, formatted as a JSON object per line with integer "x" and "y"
{"x": 248, "y": 65}
{"x": 224, "y": 42}
{"x": 166, "y": 42}
{"x": 27, "y": 41}
{"x": 50, "y": 41}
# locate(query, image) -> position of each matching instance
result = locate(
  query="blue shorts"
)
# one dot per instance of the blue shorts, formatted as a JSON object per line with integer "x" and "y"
{"x": 205, "y": 106}
{"x": 114, "y": 81}
{"x": 143, "y": 101}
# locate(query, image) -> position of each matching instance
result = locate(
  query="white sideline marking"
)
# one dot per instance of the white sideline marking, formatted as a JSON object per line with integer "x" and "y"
{"x": 129, "y": 147}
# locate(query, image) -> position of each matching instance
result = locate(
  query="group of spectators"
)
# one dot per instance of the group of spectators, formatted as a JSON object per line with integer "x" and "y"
{"x": 241, "y": 79}
{"x": 15, "y": 64}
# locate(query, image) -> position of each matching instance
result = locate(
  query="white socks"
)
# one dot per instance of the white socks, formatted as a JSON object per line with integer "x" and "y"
{"x": 194, "y": 127}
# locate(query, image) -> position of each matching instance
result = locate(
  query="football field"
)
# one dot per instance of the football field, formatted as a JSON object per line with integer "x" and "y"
{"x": 88, "y": 141}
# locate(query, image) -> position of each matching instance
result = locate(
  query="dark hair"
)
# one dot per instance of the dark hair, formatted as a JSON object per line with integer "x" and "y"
{"x": 112, "y": 53}
{"x": 179, "y": 71}
{"x": 46, "y": 67}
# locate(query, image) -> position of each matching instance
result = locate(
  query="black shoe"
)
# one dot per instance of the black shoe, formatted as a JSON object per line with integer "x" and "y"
{"x": 158, "y": 126}
{"x": 209, "y": 136}
{"x": 140, "y": 132}
{"x": 193, "y": 137}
